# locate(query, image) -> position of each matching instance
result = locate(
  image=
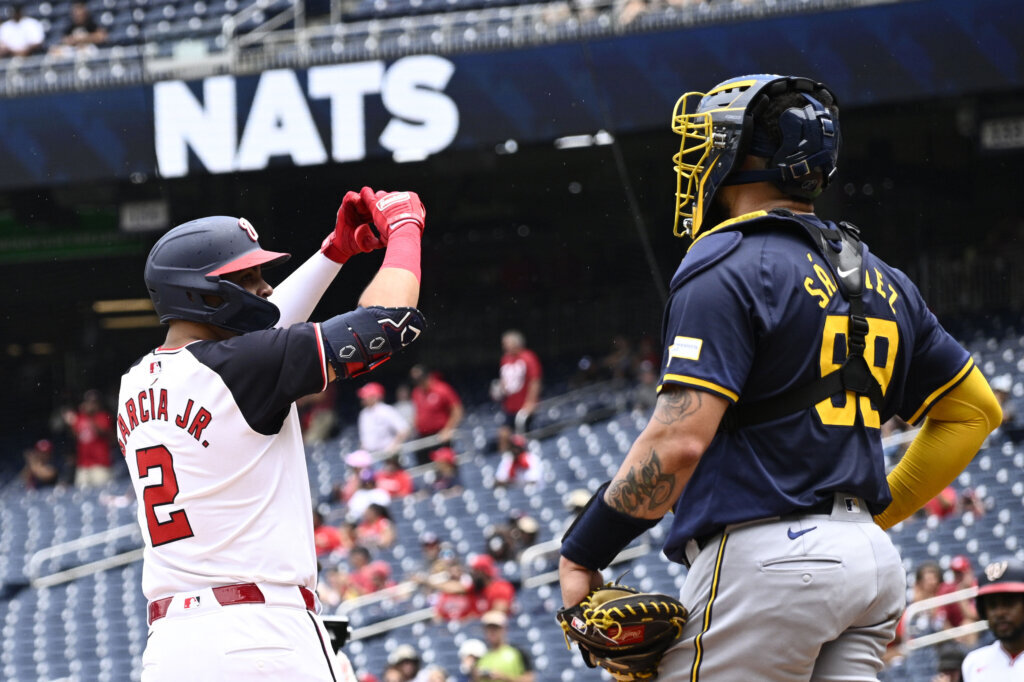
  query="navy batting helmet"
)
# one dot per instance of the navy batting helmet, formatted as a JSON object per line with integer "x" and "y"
{"x": 1004, "y": 575}
{"x": 801, "y": 142}
{"x": 184, "y": 269}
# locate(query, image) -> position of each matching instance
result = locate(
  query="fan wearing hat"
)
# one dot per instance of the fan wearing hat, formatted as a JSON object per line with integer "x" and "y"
{"x": 963, "y": 611}
{"x": 406, "y": 659}
{"x": 471, "y": 651}
{"x": 39, "y": 470}
{"x": 381, "y": 428}
{"x": 503, "y": 661}
{"x": 1000, "y": 601}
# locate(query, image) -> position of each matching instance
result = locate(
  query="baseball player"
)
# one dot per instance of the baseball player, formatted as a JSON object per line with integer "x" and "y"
{"x": 209, "y": 429}
{"x": 1000, "y": 601}
{"x": 787, "y": 344}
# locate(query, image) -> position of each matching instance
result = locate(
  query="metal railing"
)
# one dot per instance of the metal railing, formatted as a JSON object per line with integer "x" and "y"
{"x": 912, "y": 643}
{"x": 34, "y": 566}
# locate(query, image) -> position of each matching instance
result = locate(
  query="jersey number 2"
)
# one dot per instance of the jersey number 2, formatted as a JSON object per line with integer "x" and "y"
{"x": 153, "y": 496}
{"x": 881, "y": 344}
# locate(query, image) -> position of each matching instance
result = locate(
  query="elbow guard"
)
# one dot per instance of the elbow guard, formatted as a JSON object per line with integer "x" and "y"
{"x": 362, "y": 339}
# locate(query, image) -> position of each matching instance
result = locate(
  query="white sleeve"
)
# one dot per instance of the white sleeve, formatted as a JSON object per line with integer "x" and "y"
{"x": 297, "y": 295}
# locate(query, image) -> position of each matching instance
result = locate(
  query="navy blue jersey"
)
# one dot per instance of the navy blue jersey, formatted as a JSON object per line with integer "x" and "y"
{"x": 755, "y": 313}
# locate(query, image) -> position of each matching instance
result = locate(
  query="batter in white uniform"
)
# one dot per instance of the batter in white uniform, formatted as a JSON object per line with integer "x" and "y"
{"x": 209, "y": 429}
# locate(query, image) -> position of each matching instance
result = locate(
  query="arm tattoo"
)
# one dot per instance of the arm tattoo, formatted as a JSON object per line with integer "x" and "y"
{"x": 675, "y": 404}
{"x": 644, "y": 486}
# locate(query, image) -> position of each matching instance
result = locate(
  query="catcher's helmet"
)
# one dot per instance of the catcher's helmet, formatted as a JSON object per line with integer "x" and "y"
{"x": 720, "y": 132}
{"x": 1004, "y": 575}
{"x": 186, "y": 264}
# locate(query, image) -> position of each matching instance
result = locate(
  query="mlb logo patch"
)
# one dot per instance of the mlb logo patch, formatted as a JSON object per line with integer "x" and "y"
{"x": 578, "y": 624}
{"x": 685, "y": 348}
{"x": 191, "y": 603}
{"x": 155, "y": 367}
{"x": 852, "y": 505}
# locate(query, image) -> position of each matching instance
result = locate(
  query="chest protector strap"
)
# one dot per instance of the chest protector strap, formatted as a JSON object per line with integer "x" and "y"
{"x": 842, "y": 249}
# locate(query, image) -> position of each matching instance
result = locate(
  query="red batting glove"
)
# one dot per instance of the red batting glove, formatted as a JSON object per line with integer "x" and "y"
{"x": 353, "y": 232}
{"x": 392, "y": 211}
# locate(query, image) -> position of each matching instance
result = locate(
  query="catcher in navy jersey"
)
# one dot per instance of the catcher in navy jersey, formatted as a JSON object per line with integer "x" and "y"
{"x": 787, "y": 344}
{"x": 209, "y": 429}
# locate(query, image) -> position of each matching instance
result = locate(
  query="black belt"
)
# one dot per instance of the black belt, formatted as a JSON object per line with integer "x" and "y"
{"x": 823, "y": 507}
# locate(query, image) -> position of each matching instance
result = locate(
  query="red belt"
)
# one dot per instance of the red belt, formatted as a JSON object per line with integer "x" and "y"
{"x": 228, "y": 595}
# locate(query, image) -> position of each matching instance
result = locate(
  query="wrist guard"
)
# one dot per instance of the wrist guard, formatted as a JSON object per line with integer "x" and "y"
{"x": 358, "y": 341}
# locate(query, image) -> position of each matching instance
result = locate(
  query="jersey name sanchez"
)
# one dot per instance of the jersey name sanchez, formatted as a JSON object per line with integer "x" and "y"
{"x": 212, "y": 440}
{"x": 752, "y": 315}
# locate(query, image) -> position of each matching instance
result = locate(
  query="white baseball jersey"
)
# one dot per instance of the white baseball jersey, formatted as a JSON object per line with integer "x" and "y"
{"x": 378, "y": 426}
{"x": 992, "y": 664}
{"x": 212, "y": 440}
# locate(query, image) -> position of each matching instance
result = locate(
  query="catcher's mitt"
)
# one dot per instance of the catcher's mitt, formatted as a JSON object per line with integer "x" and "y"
{"x": 623, "y": 630}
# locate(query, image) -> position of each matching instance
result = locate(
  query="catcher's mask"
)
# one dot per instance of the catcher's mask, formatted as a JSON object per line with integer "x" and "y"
{"x": 187, "y": 264}
{"x": 718, "y": 131}
{"x": 999, "y": 577}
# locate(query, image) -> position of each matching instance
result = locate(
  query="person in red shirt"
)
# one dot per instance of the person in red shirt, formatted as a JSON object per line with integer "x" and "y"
{"x": 326, "y": 538}
{"x": 438, "y": 409}
{"x": 92, "y": 428}
{"x": 963, "y": 611}
{"x": 394, "y": 479}
{"x": 519, "y": 385}
{"x": 489, "y": 591}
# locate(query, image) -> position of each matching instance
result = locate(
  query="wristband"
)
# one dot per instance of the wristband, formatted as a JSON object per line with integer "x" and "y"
{"x": 599, "y": 533}
{"x": 404, "y": 251}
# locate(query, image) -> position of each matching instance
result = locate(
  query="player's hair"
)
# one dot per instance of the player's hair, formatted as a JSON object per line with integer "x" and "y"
{"x": 767, "y": 120}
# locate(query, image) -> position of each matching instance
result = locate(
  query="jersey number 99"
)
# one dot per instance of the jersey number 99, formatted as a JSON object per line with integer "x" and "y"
{"x": 881, "y": 345}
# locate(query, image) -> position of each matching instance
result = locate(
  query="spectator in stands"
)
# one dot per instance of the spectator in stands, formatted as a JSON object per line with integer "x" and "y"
{"x": 617, "y": 365}
{"x": 327, "y": 538}
{"x": 394, "y": 479}
{"x": 368, "y": 494}
{"x": 489, "y": 591}
{"x": 360, "y": 579}
{"x": 376, "y": 529}
{"x": 949, "y": 503}
{"x": 407, "y": 660}
{"x": 509, "y": 539}
{"x": 518, "y": 464}
{"x": 392, "y": 674}
{"x": 445, "y": 477}
{"x": 317, "y": 415}
{"x": 40, "y": 470}
{"x": 357, "y": 461}
{"x": 381, "y": 427}
{"x": 471, "y": 651}
{"x": 438, "y": 409}
{"x": 964, "y": 611}
{"x": 950, "y": 659}
{"x": 645, "y": 392}
{"x": 503, "y": 661}
{"x": 1002, "y": 386}
{"x": 92, "y": 428}
{"x": 403, "y": 403}
{"x": 21, "y": 35}
{"x": 518, "y": 386}
{"x": 927, "y": 579}
{"x": 435, "y": 673}
{"x": 83, "y": 33}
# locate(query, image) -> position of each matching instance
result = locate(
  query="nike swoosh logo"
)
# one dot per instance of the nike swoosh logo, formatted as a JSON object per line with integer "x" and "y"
{"x": 846, "y": 273}
{"x": 794, "y": 536}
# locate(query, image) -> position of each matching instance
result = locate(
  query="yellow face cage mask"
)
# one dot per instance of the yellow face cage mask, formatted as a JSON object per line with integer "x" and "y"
{"x": 690, "y": 163}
